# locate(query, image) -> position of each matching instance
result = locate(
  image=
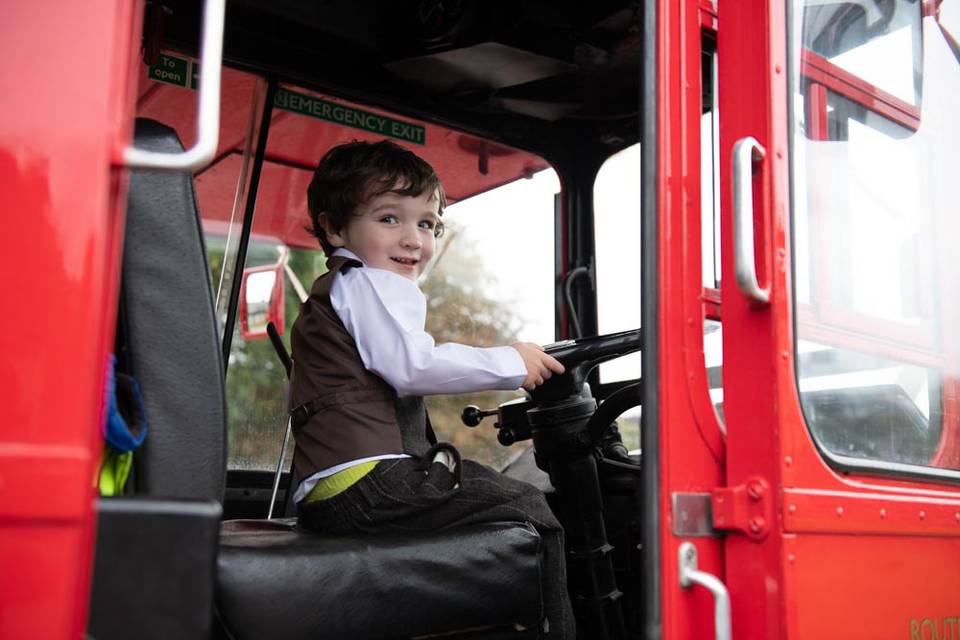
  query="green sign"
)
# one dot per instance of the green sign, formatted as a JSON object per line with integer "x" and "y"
{"x": 350, "y": 116}
{"x": 171, "y": 70}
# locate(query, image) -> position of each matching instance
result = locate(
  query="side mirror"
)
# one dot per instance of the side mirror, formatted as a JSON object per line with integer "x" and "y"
{"x": 261, "y": 300}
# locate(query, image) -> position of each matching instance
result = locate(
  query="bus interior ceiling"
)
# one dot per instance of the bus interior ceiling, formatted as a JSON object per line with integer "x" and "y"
{"x": 560, "y": 80}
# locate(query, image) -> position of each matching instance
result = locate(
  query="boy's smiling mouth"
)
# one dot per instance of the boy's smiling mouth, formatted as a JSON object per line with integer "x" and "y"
{"x": 407, "y": 262}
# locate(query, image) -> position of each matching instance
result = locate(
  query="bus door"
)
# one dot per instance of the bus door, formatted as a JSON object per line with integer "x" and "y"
{"x": 690, "y": 359}
{"x": 840, "y": 299}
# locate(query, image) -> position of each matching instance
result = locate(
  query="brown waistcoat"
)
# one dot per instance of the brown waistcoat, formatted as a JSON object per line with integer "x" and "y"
{"x": 345, "y": 412}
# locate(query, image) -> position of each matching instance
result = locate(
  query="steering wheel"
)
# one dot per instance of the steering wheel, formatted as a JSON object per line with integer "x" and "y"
{"x": 579, "y": 357}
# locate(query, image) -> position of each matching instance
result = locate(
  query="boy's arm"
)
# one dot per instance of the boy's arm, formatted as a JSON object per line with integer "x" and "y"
{"x": 385, "y": 313}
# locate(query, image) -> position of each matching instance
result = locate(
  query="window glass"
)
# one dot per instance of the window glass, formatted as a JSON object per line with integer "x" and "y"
{"x": 855, "y": 36}
{"x": 167, "y": 93}
{"x": 491, "y": 282}
{"x": 616, "y": 210}
{"x": 617, "y": 228}
{"x": 875, "y": 139}
{"x": 256, "y": 379}
{"x": 491, "y": 285}
{"x": 710, "y": 174}
{"x": 710, "y": 227}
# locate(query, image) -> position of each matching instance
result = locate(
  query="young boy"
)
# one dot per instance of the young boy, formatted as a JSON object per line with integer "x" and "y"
{"x": 362, "y": 362}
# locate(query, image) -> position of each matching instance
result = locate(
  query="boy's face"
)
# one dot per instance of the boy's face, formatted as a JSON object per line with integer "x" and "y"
{"x": 392, "y": 232}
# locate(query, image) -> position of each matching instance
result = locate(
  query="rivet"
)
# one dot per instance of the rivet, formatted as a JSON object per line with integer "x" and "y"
{"x": 883, "y": 513}
{"x": 785, "y": 354}
{"x": 792, "y": 508}
{"x": 777, "y": 68}
{"x": 791, "y": 558}
{"x": 956, "y": 516}
{"x": 780, "y": 153}
{"x": 923, "y": 515}
{"x": 788, "y": 461}
{"x": 840, "y": 511}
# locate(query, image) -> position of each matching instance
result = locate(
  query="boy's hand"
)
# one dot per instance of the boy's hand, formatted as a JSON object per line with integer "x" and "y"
{"x": 540, "y": 366}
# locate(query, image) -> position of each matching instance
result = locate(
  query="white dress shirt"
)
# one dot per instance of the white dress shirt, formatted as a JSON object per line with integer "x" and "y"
{"x": 385, "y": 313}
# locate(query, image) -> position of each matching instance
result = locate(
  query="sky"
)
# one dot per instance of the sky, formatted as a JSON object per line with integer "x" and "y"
{"x": 513, "y": 229}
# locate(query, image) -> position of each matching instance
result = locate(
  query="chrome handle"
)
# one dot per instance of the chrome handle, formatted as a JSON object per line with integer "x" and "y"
{"x": 208, "y": 112}
{"x": 690, "y": 575}
{"x": 745, "y": 151}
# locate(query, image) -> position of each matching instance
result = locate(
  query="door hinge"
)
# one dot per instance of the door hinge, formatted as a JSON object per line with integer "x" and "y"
{"x": 747, "y": 508}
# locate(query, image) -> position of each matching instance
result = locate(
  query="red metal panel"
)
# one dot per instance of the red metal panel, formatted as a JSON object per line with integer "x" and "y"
{"x": 708, "y": 15}
{"x": 817, "y": 112}
{"x": 757, "y": 341}
{"x": 711, "y": 304}
{"x": 691, "y": 442}
{"x": 874, "y": 586}
{"x": 843, "y": 82}
{"x": 63, "y": 122}
{"x": 850, "y": 555}
{"x": 861, "y": 512}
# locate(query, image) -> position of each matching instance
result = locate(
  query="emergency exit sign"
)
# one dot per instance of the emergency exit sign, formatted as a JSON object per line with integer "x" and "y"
{"x": 183, "y": 73}
{"x": 349, "y": 116}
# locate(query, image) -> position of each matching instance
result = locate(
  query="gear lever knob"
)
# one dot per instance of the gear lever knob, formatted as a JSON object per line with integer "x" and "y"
{"x": 472, "y": 415}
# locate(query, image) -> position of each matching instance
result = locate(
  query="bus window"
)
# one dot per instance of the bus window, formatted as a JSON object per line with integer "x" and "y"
{"x": 875, "y": 141}
{"x": 474, "y": 295}
{"x": 166, "y": 93}
{"x": 479, "y": 294}
{"x": 616, "y": 198}
{"x": 710, "y": 225}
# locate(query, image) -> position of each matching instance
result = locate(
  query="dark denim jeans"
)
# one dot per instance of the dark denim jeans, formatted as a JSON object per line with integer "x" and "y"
{"x": 403, "y": 495}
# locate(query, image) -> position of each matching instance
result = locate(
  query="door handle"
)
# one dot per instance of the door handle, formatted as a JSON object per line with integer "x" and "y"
{"x": 745, "y": 152}
{"x": 690, "y": 575}
{"x": 208, "y": 111}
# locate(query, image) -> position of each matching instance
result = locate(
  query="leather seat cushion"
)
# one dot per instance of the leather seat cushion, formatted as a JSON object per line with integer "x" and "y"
{"x": 278, "y": 580}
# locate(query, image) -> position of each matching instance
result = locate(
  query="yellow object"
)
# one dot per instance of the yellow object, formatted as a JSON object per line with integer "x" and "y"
{"x": 114, "y": 471}
{"x": 339, "y": 482}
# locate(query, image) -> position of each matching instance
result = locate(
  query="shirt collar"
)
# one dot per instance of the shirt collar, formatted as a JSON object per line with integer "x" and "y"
{"x": 346, "y": 253}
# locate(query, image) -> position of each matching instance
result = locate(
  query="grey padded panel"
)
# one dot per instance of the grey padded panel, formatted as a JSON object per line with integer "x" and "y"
{"x": 153, "y": 575}
{"x": 172, "y": 335}
{"x": 276, "y": 580}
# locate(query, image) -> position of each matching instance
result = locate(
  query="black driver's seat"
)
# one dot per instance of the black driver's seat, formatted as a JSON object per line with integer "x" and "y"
{"x": 273, "y": 579}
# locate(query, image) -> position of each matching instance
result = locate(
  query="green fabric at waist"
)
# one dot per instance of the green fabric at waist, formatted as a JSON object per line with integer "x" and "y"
{"x": 339, "y": 482}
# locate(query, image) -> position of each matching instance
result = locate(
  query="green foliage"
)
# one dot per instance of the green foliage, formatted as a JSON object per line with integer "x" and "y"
{"x": 459, "y": 309}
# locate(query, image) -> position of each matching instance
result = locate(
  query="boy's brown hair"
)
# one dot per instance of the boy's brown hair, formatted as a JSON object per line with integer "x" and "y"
{"x": 350, "y": 174}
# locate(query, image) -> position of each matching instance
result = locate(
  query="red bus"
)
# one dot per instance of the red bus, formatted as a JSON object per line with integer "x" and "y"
{"x": 731, "y": 219}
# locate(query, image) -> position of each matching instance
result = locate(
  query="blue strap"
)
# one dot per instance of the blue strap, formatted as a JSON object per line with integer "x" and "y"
{"x": 125, "y": 426}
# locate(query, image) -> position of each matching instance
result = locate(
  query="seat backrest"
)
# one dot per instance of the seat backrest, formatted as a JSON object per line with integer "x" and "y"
{"x": 172, "y": 343}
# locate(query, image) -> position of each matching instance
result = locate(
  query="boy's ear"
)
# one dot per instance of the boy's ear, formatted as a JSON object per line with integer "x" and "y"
{"x": 335, "y": 238}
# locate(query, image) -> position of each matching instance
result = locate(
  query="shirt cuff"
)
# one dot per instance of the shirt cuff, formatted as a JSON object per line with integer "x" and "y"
{"x": 514, "y": 369}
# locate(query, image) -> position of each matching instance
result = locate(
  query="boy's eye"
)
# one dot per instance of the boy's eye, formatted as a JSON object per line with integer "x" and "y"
{"x": 390, "y": 219}
{"x": 427, "y": 224}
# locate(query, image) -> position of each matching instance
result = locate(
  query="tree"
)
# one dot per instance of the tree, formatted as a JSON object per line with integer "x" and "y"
{"x": 459, "y": 309}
